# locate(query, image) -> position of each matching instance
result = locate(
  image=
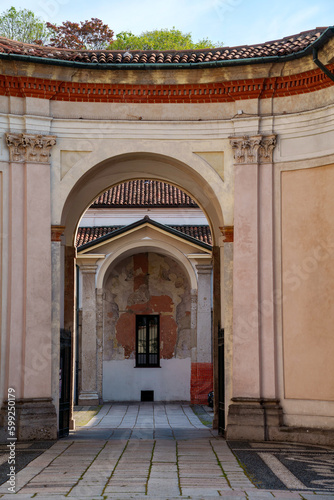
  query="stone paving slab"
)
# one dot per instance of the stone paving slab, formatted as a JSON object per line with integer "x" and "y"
{"x": 233, "y": 495}
{"x": 165, "y": 452}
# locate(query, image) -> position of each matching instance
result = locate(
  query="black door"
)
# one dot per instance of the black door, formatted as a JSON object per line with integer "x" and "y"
{"x": 65, "y": 382}
{"x": 221, "y": 381}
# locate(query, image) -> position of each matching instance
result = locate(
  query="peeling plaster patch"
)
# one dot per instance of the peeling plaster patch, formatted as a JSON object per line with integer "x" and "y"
{"x": 147, "y": 283}
{"x": 125, "y": 329}
{"x": 168, "y": 337}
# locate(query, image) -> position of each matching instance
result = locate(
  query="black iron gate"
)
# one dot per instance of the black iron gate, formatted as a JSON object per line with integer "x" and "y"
{"x": 65, "y": 382}
{"x": 221, "y": 381}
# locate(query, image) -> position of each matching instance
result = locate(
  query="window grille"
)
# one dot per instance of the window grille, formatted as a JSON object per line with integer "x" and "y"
{"x": 147, "y": 341}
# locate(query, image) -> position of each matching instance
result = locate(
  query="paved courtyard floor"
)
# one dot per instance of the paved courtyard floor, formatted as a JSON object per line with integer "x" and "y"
{"x": 153, "y": 450}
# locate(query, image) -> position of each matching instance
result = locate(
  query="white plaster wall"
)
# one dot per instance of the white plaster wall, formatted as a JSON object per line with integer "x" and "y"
{"x": 124, "y": 216}
{"x": 123, "y": 382}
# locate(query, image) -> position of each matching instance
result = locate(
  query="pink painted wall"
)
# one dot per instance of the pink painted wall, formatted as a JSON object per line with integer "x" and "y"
{"x": 308, "y": 282}
{"x": 29, "y": 311}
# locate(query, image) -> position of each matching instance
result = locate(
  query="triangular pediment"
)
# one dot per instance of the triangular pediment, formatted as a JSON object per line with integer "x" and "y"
{"x": 145, "y": 230}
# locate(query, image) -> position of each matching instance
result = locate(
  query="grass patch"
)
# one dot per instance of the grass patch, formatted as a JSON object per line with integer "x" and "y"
{"x": 83, "y": 417}
{"x": 202, "y": 415}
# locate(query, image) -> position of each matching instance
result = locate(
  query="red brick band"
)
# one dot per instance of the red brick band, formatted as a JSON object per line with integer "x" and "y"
{"x": 260, "y": 88}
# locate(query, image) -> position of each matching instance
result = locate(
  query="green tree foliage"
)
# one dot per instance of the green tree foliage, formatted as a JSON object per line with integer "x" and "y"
{"x": 22, "y": 25}
{"x": 90, "y": 35}
{"x": 164, "y": 39}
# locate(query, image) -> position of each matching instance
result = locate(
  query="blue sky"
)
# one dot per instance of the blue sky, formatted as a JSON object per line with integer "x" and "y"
{"x": 233, "y": 22}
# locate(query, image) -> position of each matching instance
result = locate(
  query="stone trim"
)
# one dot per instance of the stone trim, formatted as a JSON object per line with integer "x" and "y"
{"x": 30, "y": 147}
{"x": 88, "y": 398}
{"x": 36, "y": 419}
{"x": 228, "y": 233}
{"x": 88, "y": 262}
{"x": 228, "y": 91}
{"x": 254, "y": 419}
{"x": 57, "y": 232}
{"x": 204, "y": 268}
{"x": 253, "y": 149}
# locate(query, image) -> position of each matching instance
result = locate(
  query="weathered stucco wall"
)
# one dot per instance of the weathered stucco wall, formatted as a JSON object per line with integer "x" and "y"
{"x": 147, "y": 283}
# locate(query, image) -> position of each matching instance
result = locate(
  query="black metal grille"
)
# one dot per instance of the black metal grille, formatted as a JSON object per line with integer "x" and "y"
{"x": 221, "y": 381}
{"x": 147, "y": 341}
{"x": 65, "y": 382}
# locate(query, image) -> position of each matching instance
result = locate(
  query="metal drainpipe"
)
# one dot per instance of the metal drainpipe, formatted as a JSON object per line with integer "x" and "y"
{"x": 320, "y": 65}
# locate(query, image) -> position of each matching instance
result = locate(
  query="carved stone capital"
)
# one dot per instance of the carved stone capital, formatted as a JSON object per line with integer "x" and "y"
{"x": 253, "y": 149}
{"x": 204, "y": 268}
{"x": 30, "y": 147}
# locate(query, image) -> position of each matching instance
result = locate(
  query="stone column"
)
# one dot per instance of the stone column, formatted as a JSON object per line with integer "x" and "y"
{"x": 88, "y": 357}
{"x": 29, "y": 343}
{"x": 99, "y": 338}
{"x": 227, "y": 311}
{"x": 253, "y": 334}
{"x": 204, "y": 327}
{"x": 201, "y": 368}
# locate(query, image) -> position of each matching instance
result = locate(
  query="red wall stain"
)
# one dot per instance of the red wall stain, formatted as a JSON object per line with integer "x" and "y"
{"x": 140, "y": 267}
{"x": 201, "y": 382}
{"x": 168, "y": 336}
{"x": 125, "y": 333}
{"x": 157, "y": 304}
{"x": 162, "y": 303}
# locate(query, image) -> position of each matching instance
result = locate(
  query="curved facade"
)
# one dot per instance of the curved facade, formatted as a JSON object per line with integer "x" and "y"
{"x": 248, "y": 133}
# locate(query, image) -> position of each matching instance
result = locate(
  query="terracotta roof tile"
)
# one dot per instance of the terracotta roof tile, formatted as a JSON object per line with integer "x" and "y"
{"x": 143, "y": 193}
{"x": 201, "y": 233}
{"x": 88, "y": 234}
{"x": 283, "y": 47}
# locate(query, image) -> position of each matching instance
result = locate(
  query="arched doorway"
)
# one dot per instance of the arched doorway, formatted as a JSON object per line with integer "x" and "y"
{"x": 147, "y": 268}
{"x": 204, "y": 189}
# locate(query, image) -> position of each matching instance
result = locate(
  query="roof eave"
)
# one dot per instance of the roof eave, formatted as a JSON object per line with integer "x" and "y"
{"x": 324, "y": 37}
{"x": 139, "y": 223}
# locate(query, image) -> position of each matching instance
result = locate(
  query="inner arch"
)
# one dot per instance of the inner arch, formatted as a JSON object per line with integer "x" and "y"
{"x": 202, "y": 187}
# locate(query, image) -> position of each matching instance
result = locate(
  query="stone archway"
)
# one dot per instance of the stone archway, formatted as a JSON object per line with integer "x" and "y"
{"x": 146, "y": 271}
{"x": 197, "y": 180}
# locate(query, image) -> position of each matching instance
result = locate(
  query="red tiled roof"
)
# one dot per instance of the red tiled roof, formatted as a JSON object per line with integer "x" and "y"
{"x": 144, "y": 193}
{"x": 284, "y": 47}
{"x": 201, "y": 233}
{"x": 88, "y": 234}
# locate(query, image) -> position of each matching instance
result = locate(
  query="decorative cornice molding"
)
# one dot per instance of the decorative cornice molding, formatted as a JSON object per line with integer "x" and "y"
{"x": 253, "y": 149}
{"x": 88, "y": 263}
{"x": 228, "y": 233}
{"x": 30, "y": 147}
{"x": 57, "y": 232}
{"x": 224, "y": 91}
{"x": 204, "y": 268}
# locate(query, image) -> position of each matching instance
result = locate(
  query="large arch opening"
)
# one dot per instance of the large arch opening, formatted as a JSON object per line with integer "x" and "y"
{"x": 85, "y": 184}
{"x": 112, "y": 172}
